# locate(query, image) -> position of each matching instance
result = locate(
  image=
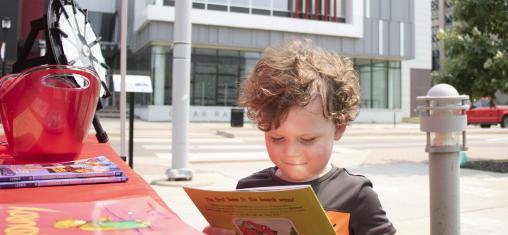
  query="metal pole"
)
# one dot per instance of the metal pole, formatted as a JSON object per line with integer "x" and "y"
{"x": 181, "y": 91}
{"x": 123, "y": 72}
{"x": 394, "y": 118}
{"x": 131, "y": 129}
{"x": 444, "y": 193}
{"x": 203, "y": 94}
{"x": 5, "y": 52}
{"x": 438, "y": 115}
{"x": 226, "y": 95}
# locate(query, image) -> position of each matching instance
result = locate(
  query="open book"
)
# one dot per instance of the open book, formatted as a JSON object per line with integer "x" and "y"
{"x": 281, "y": 210}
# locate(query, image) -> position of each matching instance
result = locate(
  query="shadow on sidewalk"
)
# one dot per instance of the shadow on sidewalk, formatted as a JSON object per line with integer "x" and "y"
{"x": 499, "y": 166}
{"x": 399, "y": 168}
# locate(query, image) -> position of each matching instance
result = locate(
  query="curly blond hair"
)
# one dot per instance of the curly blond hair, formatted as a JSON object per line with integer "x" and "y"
{"x": 294, "y": 74}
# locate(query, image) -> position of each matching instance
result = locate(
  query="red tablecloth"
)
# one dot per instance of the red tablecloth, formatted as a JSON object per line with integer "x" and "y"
{"x": 134, "y": 187}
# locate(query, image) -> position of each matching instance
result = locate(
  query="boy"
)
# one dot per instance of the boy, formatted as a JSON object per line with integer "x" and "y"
{"x": 302, "y": 97}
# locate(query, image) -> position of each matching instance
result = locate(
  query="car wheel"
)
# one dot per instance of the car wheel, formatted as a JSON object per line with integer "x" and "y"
{"x": 504, "y": 123}
{"x": 485, "y": 125}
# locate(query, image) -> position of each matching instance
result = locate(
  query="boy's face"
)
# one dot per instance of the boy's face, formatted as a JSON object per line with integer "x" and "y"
{"x": 302, "y": 145}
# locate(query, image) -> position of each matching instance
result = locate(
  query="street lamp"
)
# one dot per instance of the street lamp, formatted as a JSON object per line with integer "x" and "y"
{"x": 443, "y": 117}
{"x": 6, "y": 25}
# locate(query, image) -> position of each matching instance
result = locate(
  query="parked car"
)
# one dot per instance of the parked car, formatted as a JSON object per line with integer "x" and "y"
{"x": 484, "y": 114}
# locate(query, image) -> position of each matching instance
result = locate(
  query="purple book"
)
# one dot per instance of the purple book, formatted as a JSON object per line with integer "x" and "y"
{"x": 61, "y": 181}
{"x": 84, "y": 168}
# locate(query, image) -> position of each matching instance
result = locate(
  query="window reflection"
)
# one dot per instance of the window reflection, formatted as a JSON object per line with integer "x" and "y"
{"x": 380, "y": 83}
{"x": 216, "y": 75}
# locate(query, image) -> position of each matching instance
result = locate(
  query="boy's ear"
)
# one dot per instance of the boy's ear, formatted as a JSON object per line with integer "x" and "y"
{"x": 339, "y": 130}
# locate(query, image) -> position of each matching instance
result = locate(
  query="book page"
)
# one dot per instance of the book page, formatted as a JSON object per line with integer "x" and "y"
{"x": 272, "y": 210}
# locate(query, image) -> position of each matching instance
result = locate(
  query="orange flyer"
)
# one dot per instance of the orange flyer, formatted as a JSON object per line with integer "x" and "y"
{"x": 139, "y": 216}
{"x": 281, "y": 210}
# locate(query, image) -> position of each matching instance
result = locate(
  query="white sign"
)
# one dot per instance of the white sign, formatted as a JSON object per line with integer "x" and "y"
{"x": 2, "y": 51}
{"x": 133, "y": 83}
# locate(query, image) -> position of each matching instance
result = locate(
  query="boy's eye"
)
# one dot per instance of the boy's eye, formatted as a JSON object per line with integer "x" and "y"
{"x": 308, "y": 140}
{"x": 277, "y": 139}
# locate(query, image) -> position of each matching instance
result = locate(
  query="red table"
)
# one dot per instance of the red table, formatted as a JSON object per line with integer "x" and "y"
{"x": 134, "y": 187}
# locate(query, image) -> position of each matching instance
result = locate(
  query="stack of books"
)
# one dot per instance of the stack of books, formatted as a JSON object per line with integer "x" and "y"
{"x": 85, "y": 171}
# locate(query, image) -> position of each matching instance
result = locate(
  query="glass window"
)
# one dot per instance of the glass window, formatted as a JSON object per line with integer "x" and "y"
{"x": 394, "y": 64}
{"x": 379, "y": 84}
{"x": 227, "y": 84}
{"x": 249, "y": 60}
{"x": 203, "y": 83}
{"x": 364, "y": 71}
{"x": 161, "y": 65}
{"x": 168, "y": 85}
{"x": 103, "y": 24}
{"x": 216, "y": 75}
{"x": 205, "y": 51}
{"x": 228, "y": 53}
{"x": 394, "y": 88}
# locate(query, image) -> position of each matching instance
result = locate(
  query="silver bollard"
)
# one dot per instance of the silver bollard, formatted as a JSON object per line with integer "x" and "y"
{"x": 443, "y": 117}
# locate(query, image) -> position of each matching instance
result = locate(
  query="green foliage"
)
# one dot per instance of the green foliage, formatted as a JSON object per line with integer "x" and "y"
{"x": 476, "y": 48}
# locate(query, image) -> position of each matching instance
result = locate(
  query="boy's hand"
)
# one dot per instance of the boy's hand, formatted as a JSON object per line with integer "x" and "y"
{"x": 218, "y": 231}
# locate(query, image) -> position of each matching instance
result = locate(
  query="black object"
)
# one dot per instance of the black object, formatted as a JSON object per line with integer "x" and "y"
{"x": 131, "y": 130}
{"x": 70, "y": 40}
{"x": 500, "y": 166}
{"x": 237, "y": 117}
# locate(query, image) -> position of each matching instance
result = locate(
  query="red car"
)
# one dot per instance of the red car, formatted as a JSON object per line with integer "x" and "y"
{"x": 483, "y": 114}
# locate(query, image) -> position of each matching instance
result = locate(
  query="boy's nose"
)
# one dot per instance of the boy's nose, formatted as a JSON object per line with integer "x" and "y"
{"x": 292, "y": 150}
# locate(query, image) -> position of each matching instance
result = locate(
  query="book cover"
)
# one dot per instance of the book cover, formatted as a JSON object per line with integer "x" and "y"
{"x": 91, "y": 167}
{"x": 281, "y": 210}
{"x": 62, "y": 181}
{"x": 138, "y": 215}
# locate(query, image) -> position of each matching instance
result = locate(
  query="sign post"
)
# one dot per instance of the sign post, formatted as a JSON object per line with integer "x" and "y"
{"x": 133, "y": 84}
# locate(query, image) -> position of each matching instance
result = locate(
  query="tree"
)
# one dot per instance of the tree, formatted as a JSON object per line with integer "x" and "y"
{"x": 476, "y": 48}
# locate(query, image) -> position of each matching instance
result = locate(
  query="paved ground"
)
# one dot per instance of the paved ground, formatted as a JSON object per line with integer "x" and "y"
{"x": 392, "y": 157}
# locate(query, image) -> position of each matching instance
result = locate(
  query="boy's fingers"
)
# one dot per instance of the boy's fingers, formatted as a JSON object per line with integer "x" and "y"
{"x": 218, "y": 231}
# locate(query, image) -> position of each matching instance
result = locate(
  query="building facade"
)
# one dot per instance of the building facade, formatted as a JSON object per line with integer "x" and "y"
{"x": 229, "y": 35}
{"x": 388, "y": 40}
{"x": 441, "y": 19}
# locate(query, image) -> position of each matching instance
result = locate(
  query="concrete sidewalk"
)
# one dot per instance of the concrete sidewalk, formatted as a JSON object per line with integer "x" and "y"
{"x": 399, "y": 174}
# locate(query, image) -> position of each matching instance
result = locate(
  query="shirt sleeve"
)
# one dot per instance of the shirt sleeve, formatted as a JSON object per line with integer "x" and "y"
{"x": 369, "y": 217}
